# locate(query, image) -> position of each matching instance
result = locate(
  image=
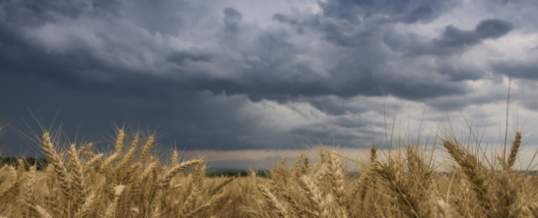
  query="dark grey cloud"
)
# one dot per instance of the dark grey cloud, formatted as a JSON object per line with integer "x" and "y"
{"x": 196, "y": 68}
{"x": 459, "y": 72}
{"x": 493, "y": 28}
{"x": 34, "y": 12}
{"x": 181, "y": 57}
{"x": 454, "y": 38}
{"x": 453, "y": 41}
{"x": 187, "y": 120}
{"x": 524, "y": 69}
{"x": 267, "y": 78}
{"x": 232, "y": 18}
{"x": 334, "y": 105}
{"x": 390, "y": 10}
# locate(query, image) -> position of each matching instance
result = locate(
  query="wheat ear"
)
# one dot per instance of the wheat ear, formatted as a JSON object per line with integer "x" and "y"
{"x": 85, "y": 148}
{"x": 297, "y": 166}
{"x": 173, "y": 162}
{"x": 220, "y": 213}
{"x": 87, "y": 206}
{"x": 29, "y": 198}
{"x": 212, "y": 201}
{"x": 314, "y": 195}
{"x": 89, "y": 165}
{"x": 145, "y": 150}
{"x": 188, "y": 202}
{"x": 473, "y": 170}
{"x": 128, "y": 159}
{"x": 57, "y": 164}
{"x": 338, "y": 179}
{"x": 514, "y": 150}
{"x": 506, "y": 195}
{"x": 106, "y": 164}
{"x": 305, "y": 166}
{"x": 444, "y": 209}
{"x": 221, "y": 185}
{"x": 174, "y": 171}
{"x": 79, "y": 180}
{"x": 272, "y": 200}
{"x": 119, "y": 144}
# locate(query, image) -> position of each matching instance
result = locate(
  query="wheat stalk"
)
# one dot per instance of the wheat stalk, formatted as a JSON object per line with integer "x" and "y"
{"x": 111, "y": 209}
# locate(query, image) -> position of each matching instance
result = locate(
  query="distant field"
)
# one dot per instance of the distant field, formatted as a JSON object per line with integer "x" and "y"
{"x": 129, "y": 182}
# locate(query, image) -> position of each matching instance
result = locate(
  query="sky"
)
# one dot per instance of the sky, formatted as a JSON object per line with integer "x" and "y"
{"x": 248, "y": 78}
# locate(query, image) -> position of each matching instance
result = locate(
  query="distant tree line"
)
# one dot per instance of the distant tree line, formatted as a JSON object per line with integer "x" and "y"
{"x": 262, "y": 174}
{"x": 41, "y": 164}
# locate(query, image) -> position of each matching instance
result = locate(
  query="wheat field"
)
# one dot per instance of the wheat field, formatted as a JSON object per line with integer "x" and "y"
{"x": 406, "y": 181}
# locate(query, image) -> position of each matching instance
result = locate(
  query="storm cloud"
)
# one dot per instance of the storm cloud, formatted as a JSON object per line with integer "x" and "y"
{"x": 237, "y": 75}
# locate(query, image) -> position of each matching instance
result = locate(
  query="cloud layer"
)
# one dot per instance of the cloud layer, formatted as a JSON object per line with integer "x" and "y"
{"x": 241, "y": 75}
